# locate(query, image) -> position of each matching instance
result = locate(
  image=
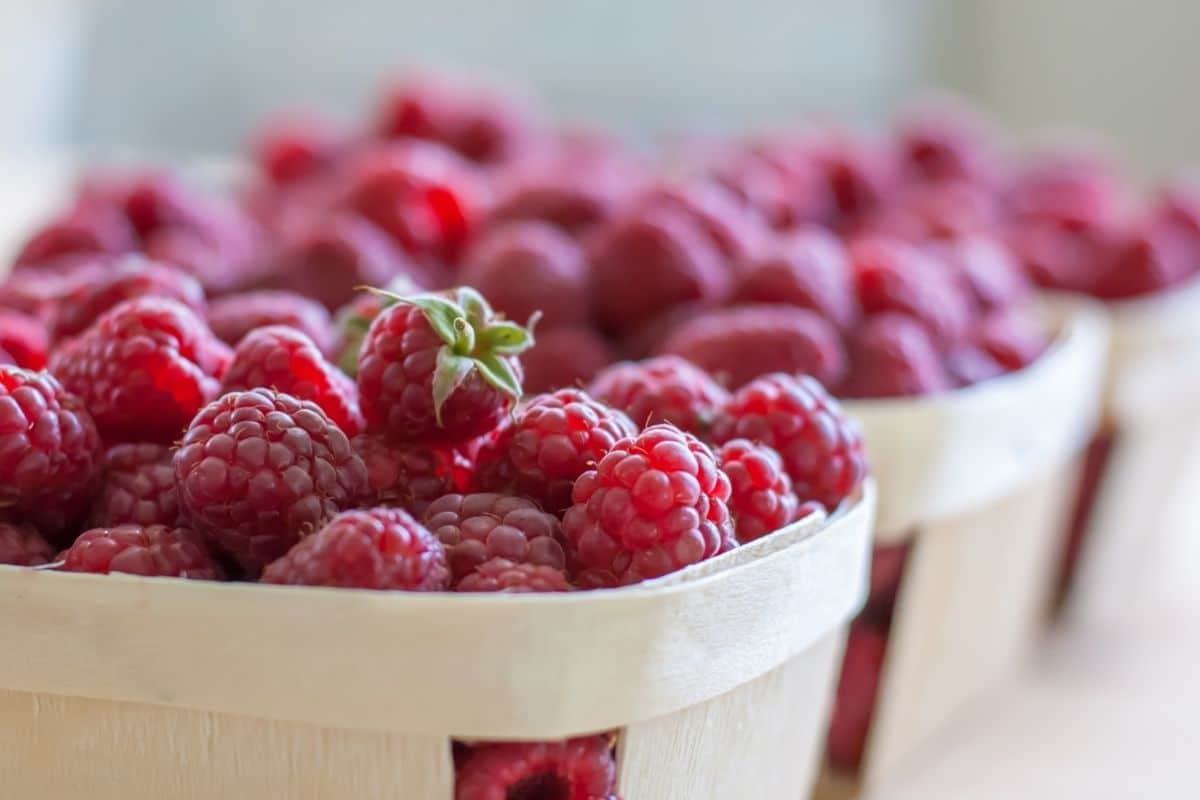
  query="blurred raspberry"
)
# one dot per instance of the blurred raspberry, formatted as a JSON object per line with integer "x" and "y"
{"x": 821, "y": 447}
{"x": 646, "y": 339}
{"x": 945, "y": 141}
{"x": 502, "y": 575}
{"x": 785, "y": 190}
{"x": 1062, "y": 257}
{"x": 412, "y": 476}
{"x": 855, "y": 702}
{"x": 809, "y": 269}
{"x": 83, "y": 229}
{"x": 891, "y": 355}
{"x": 258, "y": 470}
{"x": 935, "y": 211}
{"x": 737, "y": 344}
{"x": 380, "y": 548}
{"x": 297, "y": 146}
{"x": 354, "y": 319}
{"x": 989, "y": 270}
{"x": 736, "y": 233}
{"x": 138, "y": 487}
{"x": 23, "y": 338}
{"x": 860, "y": 174}
{"x": 153, "y": 550}
{"x": 661, "y": 389}
{"x": 22, "y": 546}
{"x": 234, "y": 316}
{"x": 1144, "y": 261}
{"x": 1076, "y": 187}
{"x": 574, "y": 769}
{"x": 1013, "y": 339}
{"x": 564, "y": 357}
{"x": 762, "y": 500}
{"x": 475, "y": 528}
{"x": 969, "y": 364}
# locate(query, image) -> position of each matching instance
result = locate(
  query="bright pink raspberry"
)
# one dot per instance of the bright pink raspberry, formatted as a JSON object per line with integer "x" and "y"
{"x": 821, "y": 447}
{"x": 234, "y": 316}
{"x": 477, "y": 527}
{"x": 153, "y": 551}
{"x": 762, "y": 500}
{"x": 553, "y": 439}
{"x": 661, "y": 389}
{"x": 891, "y": 355}
{"x": 23, "y": 338}
{"x": 502, "y": 575}
{"x": 258, "y": 470}
{"x": 809, "y": 269}
{"x": 413, "y": 475}
{"x": 566, "y": 356}
{"x": 655, "y": 503}
{"x": 574, "y": 769}
{"x": 22, "y": 546}
{"x": 379, "y": 548}
{"x": 138, "y": 487}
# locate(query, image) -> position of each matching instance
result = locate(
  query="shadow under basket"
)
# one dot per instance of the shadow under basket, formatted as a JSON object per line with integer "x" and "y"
{"x": 975, "y": 486}
{"x": 717, "y": 679}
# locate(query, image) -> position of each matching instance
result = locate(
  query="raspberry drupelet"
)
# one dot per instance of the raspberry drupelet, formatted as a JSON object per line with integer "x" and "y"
{"x": 661, "y": 389}
{"x": 475, "y": 528}
{"x": 413, "y": 475}
{"x": 138, "y": 487}
{"x": 153, "y": 550}
{"x": 22, "y": 546}
{"x": 575, "y": 769}
{"x": 762, "y": 500}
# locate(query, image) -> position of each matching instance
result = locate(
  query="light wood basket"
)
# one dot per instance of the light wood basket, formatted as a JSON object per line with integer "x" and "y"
{"x": 718, "y": 678}
{"x": 979, "y": 481}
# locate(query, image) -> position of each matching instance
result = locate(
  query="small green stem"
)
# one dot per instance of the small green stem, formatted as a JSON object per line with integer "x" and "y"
{"x": 464, "y": 337}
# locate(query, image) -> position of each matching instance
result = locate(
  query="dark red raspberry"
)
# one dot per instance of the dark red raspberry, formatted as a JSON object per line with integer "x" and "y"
{"x": 152, "y": 550}
{"x": 762, "y": 500}
{"x": 736, "y": 232}
{"x": 737, "y": 344}
{"x": 86, "y": 228}
{"x": 413, "y": 475}
{"x": 527, "y": 268}
{"x": 553, "y": 440}
{"x": 655, "y": 503}
{"x": 22, "y": 546}
{"x": 439, "y": 367}
{"x": 945, "y": 141}
{"x": 933, "y": 211}
{"x": 821, "y": 448}
{"x": 138, "y": 487}
{"x": 143, "y": 369}
{"x": 354, "y": 319}
{"x": 1144, "y": 261}
{"x": 477, "y": 527}
{"x": 645, "y": 262}
{"x": 891, "y": 355}
{"x": 1013, "y": 339}
{"x": 24, "y": 339}
{"x": 786, "y": 191}
{"x": 809, "y": 269}
{"x": 502, "y": 575}
{"x": 855, "y": 702}
{"x": 661, "y": 389}
{"x": 380, "y": 548}
{"x": 646, "y": 339}
{"x": 130, "y": 278}
{"x": 50, "y": 451}
{"x": 575, "y": 769}
{"x": 566, "y": 356}
{"x": 860, "y": 174}
{"x": 297, "y": 146}
{"x": 1059, "y": 256}
{"x": 284, "y": 359}
{"x": 894, "y": 276}
{"x": 234, "y": 316}
{"x": 258, "y": 470}
{"x": 991, "y": 273}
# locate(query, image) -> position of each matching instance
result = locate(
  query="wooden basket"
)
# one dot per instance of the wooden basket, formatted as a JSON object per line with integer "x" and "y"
{"x": 978, "y": 481}
{"x": 718, "y": 678}
{"x": 1152, "y": 413}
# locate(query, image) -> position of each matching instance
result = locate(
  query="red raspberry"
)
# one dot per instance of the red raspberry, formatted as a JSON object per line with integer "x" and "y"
{"x": 566, "y": 356}
{"x": 153, "y": 550}
{"x": 527, "y": 268}
{"x": 1014, "y": 340}
{"x": 736, "y": 232}
{"x": 502, "y": 575}
{"x": 294, "y": 147}
{"x": 643, "y": 263}
{"x": 575, "y": 769}
{"x": 22, "y": 546}
{"x": 380, "y": 548}
{"x": 128, "y": 279}
{"x": 477, "y": 527}
{"x": 258, "y": 470}
{"x": 738, "y": 344}
{"x": 412, "y": 476}
{"x": 439, "y": 367}
{"x": 1079, "y": 187}
{"x": 661, "y": 389}
{"x": 809, "y": 269}
{"x": 355, "y": 318}
{"x": 86, "y": 228}
{"x": 24, "y": 339}
{"x": 860, "y": 175}
{"x": 655, "y": 503}
{"x": 891, "y": 355}
{"x": 1144, "y": 261}
{"x": 284, "y": 359}
{"x": 784, "y": 190}
{"x": 143, "y": 369}
{"x": 762, "y": 500}
{"x": 991, "y": 273}
{"x": 934, "y": 211}
{"x": 969, "y": 364}
{"x": 1058, "y": 256}
{"x": 821, "y": 448}
{"x": 50, "y": 451}
{"x": 856, "y": 692}
{"x": 234, "y": 316}
{"x": 945, "y": 141}
{"x": 646, "y": 339}
{"x": 138, "y": 487}
{"x": 553, "y": 440}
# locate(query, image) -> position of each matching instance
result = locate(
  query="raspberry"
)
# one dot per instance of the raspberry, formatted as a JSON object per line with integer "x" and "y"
{"x": 891, "y": 355}
{"x": 988, "y": 269}
{"x": 566, "y": 356}
{"x": 355, "y": 318}
{"x": 298, "y": 146}
{"x": 655, "y": 503}
{"x": 130, "y": 278}
{"x": 1058, "y": 256}
{"x": 762, "y": 500}
{"x": 529, "y": 268}
{"x": 969, "y": 364}
{"x": 859, "y": 174}
{"x": 22, "y": 546}
{"x": 234, "y": 316}
{"x": 153, "y": 550}
{"x": 572, "y": 192}
{"x": 821, "y": 448}
{"x": 477, "y": 527}
{"x": 138, "y": 487}
{"x": 258, "y": 470}
{"x": 575, "y": 769}
{"x": 284, "y": 359}
{"x": 661, "y": 389}
{"x": 86, "y": 228}
{"x": 855, "y": 702}
{"x": 934, "y": 211}
{"x": 1078, "y": 188}
{"x": 643, "y": 263}
{"x": 143, "y": 369}
{"x": 23, "y": 338}
{"x": 380, "y": 548}
{"x": 412, "y": 476}
{"x": 1144, "y": 261}
{"x": 502, "y": 575}
{"x": 646, "y": 339}
{"x": 552, "y": 441}
{"x": 1014, "y": 340}
{"x": 50, "y": 451}
{"x": 439, "y": 367}
{"x": 784, "y": 191}
{"x": 738, "y": 344}
{"x": 944, "y": 141}
{"x": 809, "y": 269}
{"x": 733, "y": 230}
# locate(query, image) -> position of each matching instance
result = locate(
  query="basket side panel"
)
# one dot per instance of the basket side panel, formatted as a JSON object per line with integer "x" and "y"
{"x": 761, "y": 740}
{"x": 71, "y": 748}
